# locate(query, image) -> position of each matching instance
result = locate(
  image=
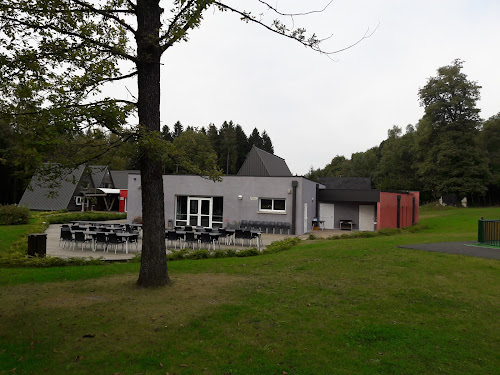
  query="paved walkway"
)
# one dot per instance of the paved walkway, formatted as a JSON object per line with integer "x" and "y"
{"x": 462, "y": 248}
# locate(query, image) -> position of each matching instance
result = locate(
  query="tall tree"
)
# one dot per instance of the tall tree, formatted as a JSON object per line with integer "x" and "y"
{"x": 489, "y": 142}
{"x": 396, "y": 167}
{"x": 255, "y": 139}
{"x": 242, "y": 146}
{"x": 267, "y": 145}
{"x": 450, "y": 161}
{"x": 64, "y": 52}
{"x": 228, "y": 153}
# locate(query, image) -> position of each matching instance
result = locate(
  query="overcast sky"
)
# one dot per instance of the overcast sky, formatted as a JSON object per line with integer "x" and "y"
{"x": 312, "y": 107}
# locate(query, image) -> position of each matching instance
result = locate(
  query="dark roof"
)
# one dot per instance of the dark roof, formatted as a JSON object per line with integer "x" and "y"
{"x": 349, "y": 195}
{"x": 49, "y": 194}
{"x": 97, "y": 173}
{"x": 346, "y": 182}
{"x": 262, "y": 163}
{"x": 120, "y": 178}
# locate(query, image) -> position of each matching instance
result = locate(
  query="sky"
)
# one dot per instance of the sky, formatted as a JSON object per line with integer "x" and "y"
{"x": 315, "y": 107}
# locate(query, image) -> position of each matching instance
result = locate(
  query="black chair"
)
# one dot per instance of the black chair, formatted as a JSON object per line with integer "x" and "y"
{"x": 238, "y": 233}
{"x": 190, "y": 238}
{"x": 272, "y": 224}
{"x": 287, "y": 226}
{"x": 251, "y": 224}
{"x": 257, "y": 225}
{"x": 80, "y": 237}
{"x": 243, "y": 224}
{"x": 264, "y": 225}
{"x": 223, "y": 235}
{"x": 247, "y": 236}
{"x": 100, "y": 238}
{"x": 280, "y": 226}
{"x": 188, "y": 228}
{"x": 205, "y": 238}
{"x": 134, "y": 238}
{"x": 66, "y": 238}
{"x": 173, "y": 237}
{"x": 114, "y": 240}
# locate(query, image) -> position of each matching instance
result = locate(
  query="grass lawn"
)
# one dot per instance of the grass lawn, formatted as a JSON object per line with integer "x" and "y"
{"x": 355, "y": 306}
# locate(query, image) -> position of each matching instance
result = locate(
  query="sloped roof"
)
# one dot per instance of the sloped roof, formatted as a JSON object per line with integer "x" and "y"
{"x": 262, "y": 163}
{"x": 346, "y": 182}
{"x": 97, "y": 173}
{"x": 120, "y": 178}
{"x": 49, "y": 194}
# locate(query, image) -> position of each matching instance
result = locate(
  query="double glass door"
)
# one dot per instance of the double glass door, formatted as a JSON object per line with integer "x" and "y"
{"x": 200, "y": 211}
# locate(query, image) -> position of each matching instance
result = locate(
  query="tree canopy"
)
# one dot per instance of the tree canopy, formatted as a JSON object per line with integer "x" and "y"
{"x": 450, "y": 151}
{"x": 56, "y": 57}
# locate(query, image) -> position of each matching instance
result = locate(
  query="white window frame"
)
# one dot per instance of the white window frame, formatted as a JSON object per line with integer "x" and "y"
{"x": 272, "y": 210}
{"x": 78, "y": 200}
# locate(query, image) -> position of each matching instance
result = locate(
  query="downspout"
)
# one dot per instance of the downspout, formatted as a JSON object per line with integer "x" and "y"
{"x": 413, "y": 212}
{"x": 294, "y": 204}
{"x": 317, "y": 202}
{"x": 399, "y": 212}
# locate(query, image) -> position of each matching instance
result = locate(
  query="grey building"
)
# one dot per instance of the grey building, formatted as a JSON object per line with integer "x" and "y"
{"x": 264, "y": 190}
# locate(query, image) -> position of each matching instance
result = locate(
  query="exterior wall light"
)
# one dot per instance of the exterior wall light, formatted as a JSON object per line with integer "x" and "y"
{"x": 240, "y": 197}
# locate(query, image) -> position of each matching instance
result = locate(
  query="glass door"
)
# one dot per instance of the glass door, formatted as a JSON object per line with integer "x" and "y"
{"x": 200, "y": 211}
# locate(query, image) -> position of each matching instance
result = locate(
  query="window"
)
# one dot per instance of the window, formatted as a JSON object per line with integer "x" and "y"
{"x": 78, "y": 201}
{"x": 272, "y": 205}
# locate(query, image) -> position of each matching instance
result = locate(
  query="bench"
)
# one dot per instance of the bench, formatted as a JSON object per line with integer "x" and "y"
{"x": 345, "y": 224}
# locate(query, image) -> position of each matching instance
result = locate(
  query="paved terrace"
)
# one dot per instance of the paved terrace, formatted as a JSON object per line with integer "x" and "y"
{"x": 55, "y": 250}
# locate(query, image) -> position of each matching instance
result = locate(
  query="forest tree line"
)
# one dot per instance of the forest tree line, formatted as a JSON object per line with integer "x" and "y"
{"x": 193, "y": 149}
{"x": 450, "y": 151}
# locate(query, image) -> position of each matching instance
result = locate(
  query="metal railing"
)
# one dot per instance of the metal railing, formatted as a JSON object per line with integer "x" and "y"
{"x": 488, "y": 232}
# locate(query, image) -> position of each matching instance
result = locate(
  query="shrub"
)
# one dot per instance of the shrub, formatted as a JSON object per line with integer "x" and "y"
{"x": 282, "y": 245}
{"x": 14, "y": 215}
{"x": 137, "y": 220}
{"x": 248, "y": 253}
{"x": 199, "y": 254}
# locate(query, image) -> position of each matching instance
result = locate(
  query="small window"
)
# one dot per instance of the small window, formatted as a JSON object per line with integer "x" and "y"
{"x": 78, "y": 201}
{"x": 272, "y": 205}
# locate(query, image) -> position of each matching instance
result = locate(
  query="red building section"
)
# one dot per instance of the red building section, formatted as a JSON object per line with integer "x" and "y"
{"x": 123, "y": 200}
{"x": 397, "y": 209}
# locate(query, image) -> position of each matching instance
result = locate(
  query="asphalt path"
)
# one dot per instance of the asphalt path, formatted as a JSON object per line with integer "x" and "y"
{"x": 470, "y": 248}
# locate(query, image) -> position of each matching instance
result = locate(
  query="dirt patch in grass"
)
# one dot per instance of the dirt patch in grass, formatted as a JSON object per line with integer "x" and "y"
{"x": 199, "y": 288}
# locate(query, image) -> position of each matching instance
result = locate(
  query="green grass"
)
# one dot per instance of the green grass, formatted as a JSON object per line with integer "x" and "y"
{"x": 349, "y": 306}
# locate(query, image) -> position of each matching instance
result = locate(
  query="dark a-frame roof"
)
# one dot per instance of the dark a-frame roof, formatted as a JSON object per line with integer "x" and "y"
{"x": 97, "y": 172}
{"x": 49, "y": 195}
{"x": 262, "y": 163}
{"x": 120, "y": 178}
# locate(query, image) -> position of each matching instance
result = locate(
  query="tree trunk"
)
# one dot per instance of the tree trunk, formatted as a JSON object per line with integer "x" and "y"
{"x": 153, "y": 270}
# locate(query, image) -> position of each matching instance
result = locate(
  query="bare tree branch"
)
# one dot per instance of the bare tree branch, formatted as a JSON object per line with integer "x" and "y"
{"x": 275, "y": 9}
{"x": 313, "y": 42}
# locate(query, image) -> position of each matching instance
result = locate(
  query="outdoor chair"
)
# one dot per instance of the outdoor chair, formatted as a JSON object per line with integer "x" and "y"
{"x": 251, "y": 224}
{"x": 264, "y": 225}
{"x": 190, "y": 239}
{"x": 173, "y": 237}
{"x": 80, "y": 237}
{"x": 223, "y": 235}
{"x": 272, "y": 224}
{"x": 257, "y": 225}
{"x": 114, "y": 240}
{"x": 66, "y": 238}
{"x": 238, "y": 233}
{"x": 287, "y": 226}
{"x": 247, "y": 236}
{"x": 188, "y": 228}
{"x": 243, "y": 224}
{"x": 100, "y": 238}
{"x": 205, "y": 238}
{"x": 134, "y": 238}
{"x": 280, "y": 225}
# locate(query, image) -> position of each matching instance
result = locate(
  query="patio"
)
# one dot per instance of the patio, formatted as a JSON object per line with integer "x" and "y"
{"x": 55, "y": 249}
